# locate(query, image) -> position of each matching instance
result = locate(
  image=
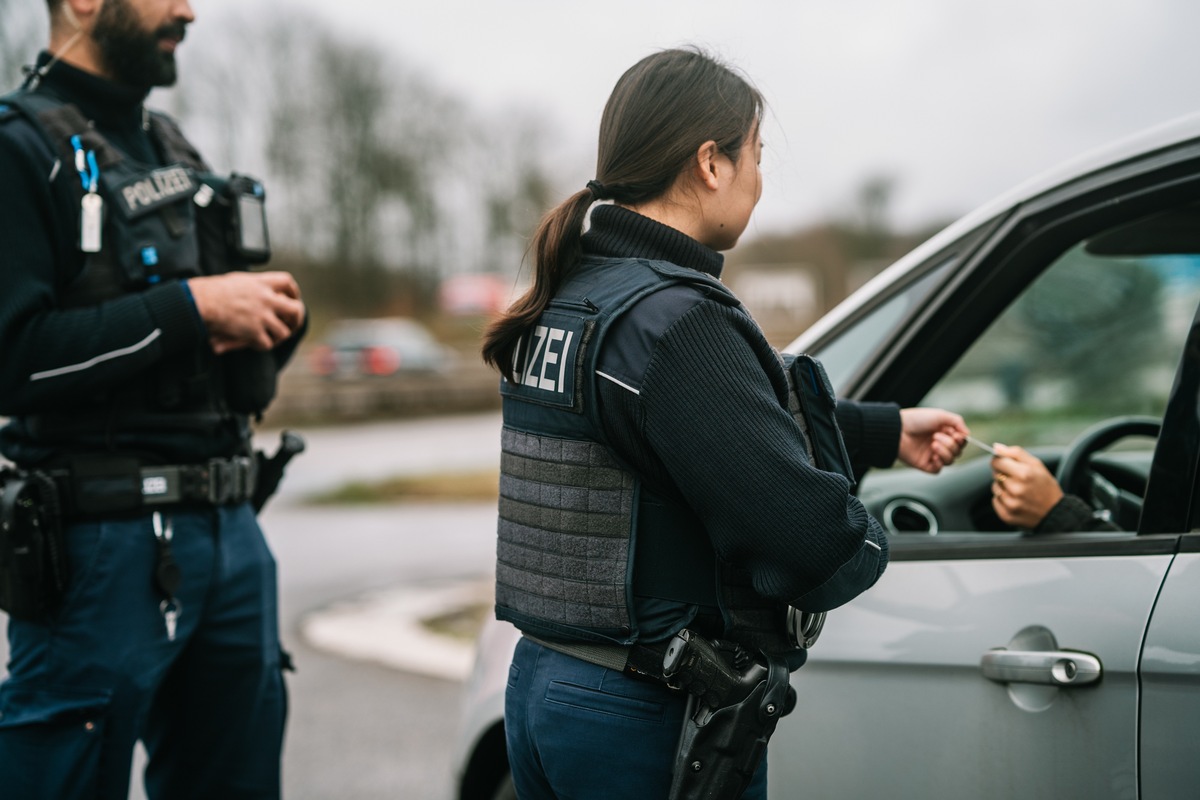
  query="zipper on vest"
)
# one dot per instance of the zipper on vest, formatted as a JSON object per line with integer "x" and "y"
{"x": 583, "y": 304}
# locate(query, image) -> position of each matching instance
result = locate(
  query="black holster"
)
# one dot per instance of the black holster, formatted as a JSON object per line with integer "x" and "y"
{"x": 33, "y": 562}
{"x": 270, "y": 468}
{"x": 736, "y": 701}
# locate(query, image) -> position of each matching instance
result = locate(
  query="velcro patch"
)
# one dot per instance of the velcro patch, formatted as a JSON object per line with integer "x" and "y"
{"x": 150, "y": 192}
{"x": 547, "y": 363}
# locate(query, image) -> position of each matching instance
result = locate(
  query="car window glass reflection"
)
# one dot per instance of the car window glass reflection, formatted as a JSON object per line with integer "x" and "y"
{"x": 849, "y": 352}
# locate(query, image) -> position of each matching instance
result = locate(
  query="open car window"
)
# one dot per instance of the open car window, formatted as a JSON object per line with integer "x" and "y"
{"x": 1097, "y": 336}
{"x": 1093, "y": 337}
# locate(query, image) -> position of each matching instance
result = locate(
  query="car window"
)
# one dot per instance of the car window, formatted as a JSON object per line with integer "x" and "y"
{"x": 1097, "y": 336}
{"x": 845, "y": 355}
{"x": 1094, "y": 336}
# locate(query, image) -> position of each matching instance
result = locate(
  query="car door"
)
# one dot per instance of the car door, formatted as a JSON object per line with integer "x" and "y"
{"x": 990, "y": 663}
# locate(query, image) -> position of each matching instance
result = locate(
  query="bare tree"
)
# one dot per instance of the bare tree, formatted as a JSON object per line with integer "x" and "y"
{"x": 519, "y": 189}
{"x": 371, "y": 168}
{"x": 874, "y": 199}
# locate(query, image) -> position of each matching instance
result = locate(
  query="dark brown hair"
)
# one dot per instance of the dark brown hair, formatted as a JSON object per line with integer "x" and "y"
{"x": 659, "y": 114}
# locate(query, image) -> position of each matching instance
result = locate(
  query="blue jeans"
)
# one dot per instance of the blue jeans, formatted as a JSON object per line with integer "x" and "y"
{"x": 86, "y": 684}
{"x": 579, "y": 731}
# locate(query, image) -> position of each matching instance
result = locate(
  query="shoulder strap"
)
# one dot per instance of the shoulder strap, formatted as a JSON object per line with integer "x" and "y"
{"x": 58, "y": 122}
{"x": 710, "y": 285}
{"x": 175, "y": 145}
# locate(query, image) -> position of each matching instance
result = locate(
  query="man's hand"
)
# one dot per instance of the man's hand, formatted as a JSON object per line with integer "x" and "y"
{"x": 1023, "y": 490}
{"x": 931, "y": 438}
{"x": 248, "y": 309}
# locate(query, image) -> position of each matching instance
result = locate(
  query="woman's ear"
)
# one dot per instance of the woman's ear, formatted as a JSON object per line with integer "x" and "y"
{"x": 706, "y": 165}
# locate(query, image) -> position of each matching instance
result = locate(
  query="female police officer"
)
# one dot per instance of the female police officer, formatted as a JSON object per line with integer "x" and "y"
{"x": 652, "y": 475}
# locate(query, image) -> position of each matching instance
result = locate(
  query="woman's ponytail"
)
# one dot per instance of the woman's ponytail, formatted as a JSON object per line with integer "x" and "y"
{"x": 661, "y": 111}
{"x": 556, "y": 250}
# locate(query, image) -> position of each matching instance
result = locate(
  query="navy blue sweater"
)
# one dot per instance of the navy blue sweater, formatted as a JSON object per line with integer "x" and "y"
{"x": 694, "y": 399}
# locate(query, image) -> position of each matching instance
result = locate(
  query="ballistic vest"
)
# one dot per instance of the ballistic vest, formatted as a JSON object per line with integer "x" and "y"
{"x": 159, "y": 223}
{"x": 579, "y": 534}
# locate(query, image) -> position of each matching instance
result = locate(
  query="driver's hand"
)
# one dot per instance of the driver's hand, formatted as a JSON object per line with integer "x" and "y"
{"x": 1023, "y": 490}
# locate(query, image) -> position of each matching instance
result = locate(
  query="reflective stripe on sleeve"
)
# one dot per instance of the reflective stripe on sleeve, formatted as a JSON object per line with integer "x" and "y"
{"x": 622, "y": 384}
{"x": 93, "y": 361}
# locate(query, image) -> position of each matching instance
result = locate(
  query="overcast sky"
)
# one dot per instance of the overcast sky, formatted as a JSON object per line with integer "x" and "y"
{"x": 958, "y": 99}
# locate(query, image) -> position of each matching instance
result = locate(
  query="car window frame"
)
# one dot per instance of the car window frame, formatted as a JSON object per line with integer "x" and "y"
{"x": 948, "y": 260}
{"x": 1026, "y": 242}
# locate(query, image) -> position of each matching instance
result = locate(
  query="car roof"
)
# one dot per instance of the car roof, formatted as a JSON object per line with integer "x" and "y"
{"x": 1139, "y": 145}
{"x": 377, "y": 324}
{"x": 372, "y": 330}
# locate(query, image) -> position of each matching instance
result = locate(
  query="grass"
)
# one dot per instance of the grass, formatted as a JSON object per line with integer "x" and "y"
{"x": 461, "y": 623}
{"x": 444, "y": 487}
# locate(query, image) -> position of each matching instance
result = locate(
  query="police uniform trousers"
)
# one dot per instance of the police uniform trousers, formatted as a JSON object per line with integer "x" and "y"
{"x": 585, "y": 732}
{"x": 102, "y": 673}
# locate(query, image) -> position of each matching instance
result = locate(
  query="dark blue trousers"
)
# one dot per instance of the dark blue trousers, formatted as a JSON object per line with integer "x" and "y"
{"x": 101, "y": 674}
{"x": 578, "y": 731}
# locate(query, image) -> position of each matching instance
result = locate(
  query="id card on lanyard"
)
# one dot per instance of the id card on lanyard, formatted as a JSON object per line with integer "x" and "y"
{"x": 91, "y": 220}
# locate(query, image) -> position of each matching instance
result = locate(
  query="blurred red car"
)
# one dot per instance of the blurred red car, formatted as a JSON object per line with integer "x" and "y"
{"x": 358, "y": 348}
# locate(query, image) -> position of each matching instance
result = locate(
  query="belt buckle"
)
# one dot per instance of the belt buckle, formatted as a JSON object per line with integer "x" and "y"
{"x": 247, "y": 476}
{"x": 230, "y": 480}
{"x": 220, "y": 482}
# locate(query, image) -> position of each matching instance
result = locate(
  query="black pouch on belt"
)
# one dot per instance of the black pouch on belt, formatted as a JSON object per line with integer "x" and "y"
{"x": 33, "y": 564}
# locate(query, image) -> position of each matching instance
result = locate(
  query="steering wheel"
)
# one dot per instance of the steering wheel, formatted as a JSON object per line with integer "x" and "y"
{"x": 1076, "y": 476}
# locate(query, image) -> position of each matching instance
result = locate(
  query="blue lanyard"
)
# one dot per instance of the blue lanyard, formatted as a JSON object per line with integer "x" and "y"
{"x": 85, "y": 165}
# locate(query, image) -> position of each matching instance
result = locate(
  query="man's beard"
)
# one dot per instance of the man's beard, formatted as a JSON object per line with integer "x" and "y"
{"x": 130, "y": 52}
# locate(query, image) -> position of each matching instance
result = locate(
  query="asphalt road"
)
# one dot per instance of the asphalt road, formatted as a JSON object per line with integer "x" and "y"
{"x": 357, "y": 730}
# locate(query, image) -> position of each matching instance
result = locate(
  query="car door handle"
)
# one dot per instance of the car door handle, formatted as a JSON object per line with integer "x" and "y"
{"x": 1053, "y": 668}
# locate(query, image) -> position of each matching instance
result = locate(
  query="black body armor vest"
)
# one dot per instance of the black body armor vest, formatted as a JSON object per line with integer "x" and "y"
{"x": 151, "y": 224}
{"x": 580, "y": 536}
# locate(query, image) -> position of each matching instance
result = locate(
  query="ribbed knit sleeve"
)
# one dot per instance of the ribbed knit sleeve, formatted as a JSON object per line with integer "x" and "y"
{"x": 711, "y": 411}
{"x": 871, "y": 432}
{"x": 1071, "y": 514}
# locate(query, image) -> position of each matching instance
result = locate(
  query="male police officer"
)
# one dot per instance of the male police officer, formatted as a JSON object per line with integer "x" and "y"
{"x": 133, "y": 349}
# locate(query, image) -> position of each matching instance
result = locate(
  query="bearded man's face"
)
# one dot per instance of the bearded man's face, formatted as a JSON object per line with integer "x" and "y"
{"x": 137, "y": 52}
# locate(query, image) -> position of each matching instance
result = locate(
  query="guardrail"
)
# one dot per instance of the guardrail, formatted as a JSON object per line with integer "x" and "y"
{"x": 307, "y": 398}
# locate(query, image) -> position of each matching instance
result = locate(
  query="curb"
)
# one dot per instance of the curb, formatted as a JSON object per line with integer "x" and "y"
{"x": 387, "y": 628}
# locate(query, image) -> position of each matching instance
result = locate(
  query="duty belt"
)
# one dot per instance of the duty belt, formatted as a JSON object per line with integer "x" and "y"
{"x": 106, "y": 485}
{"x": 638, "y": 659}
{"x": 218, "y": 482}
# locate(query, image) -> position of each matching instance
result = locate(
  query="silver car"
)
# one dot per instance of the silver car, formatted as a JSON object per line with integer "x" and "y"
{"x": 989, "y": 662}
